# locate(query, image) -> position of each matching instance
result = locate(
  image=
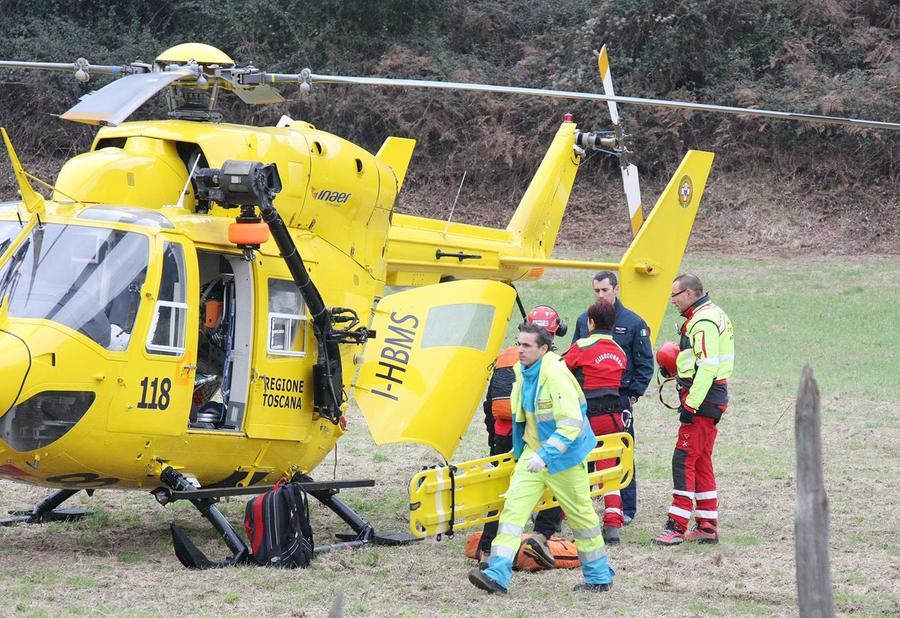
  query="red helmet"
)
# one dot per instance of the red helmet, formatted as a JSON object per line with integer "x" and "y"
{"x": 545, "y": 316}
{"x": 666, "y": 358}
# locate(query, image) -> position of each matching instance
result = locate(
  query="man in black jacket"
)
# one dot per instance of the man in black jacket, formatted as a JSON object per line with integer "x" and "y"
{"x": 633, "y": 336}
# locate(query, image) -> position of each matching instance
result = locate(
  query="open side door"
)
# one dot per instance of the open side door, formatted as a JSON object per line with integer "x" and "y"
{"x": 424, "y": 372}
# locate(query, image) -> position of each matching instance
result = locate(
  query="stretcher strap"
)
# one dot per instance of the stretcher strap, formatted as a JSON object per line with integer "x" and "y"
{"x": 451, "y": 469}
{"x": 662, "y": 384}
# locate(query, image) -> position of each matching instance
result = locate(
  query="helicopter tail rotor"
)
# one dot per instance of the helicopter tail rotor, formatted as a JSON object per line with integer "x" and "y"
{"x": 629, "y": 170}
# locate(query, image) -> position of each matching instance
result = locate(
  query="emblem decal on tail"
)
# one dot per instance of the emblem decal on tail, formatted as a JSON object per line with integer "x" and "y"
{"x": 685, "y": 191}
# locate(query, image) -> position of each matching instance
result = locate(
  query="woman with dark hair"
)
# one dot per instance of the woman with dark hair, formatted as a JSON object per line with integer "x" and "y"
{"x": 598, "y": 364}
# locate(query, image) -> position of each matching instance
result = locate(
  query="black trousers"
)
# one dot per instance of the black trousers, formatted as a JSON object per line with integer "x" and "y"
{"x": 547, "y": 521}
{"x": 629, "y": 494}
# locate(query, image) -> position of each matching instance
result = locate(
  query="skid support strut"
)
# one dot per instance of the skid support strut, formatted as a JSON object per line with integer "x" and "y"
{"x": 46, "y": 511}
{"x": 363, "y": 532}
{"x": 189, "y": 554}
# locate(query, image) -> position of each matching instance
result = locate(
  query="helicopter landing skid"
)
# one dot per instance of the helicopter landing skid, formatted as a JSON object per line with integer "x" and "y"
{"x": 45, "y": 511}
{"x": 363, "y": 533}
{"x": 189, "y": 554}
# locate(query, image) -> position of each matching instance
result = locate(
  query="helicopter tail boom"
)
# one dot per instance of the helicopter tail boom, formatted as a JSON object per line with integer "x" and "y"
{"x": 535, "y": 224}
{"x": 424, "y": 251}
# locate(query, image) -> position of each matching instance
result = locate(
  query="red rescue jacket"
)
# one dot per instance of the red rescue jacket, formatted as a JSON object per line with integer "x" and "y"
{"x": 598, "y": 364}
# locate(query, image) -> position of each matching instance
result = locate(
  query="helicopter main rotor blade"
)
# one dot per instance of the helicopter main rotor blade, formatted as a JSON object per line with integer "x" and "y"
{"x": 586, "y": 96}
{"x": 80, "y": 64}
{"x": 117, "y": 100}
{"x": 38, "y": 66}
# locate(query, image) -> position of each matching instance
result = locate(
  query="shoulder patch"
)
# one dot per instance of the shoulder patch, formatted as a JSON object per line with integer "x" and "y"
{"x": 620, "y": 330}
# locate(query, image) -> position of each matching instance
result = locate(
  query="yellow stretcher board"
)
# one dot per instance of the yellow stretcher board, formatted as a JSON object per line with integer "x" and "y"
{"x": 475, "y": 493}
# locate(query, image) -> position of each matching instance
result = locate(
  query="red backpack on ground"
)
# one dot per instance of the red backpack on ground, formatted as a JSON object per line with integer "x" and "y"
{"x": 277, "y": 525}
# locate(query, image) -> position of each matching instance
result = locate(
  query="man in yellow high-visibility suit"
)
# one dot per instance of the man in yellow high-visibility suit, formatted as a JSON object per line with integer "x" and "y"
{"x": 551, "y": 439}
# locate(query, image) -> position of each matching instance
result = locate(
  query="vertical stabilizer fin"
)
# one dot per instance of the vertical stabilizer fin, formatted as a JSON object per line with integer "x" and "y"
{"x": 397, "y": 152}
{"x": 536, "y": 221}
{"x": 654, "y": 257}
{"x": 33, "y": 200}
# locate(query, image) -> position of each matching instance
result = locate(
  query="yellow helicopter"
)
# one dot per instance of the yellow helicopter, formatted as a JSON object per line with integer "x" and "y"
{"x": 189, "y": 310}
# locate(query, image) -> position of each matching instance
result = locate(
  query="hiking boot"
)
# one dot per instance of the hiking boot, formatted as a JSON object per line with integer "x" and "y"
{"x": 535, "y": 547}
{"x": 611, "y": 535}
{"x": 482, "y": 581}
{"x": 703, "y": 534}
{"x": 592, "y": 587}
{"x": 671, "y": 535}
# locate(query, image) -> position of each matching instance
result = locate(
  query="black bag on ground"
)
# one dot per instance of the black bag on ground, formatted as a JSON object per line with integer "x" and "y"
{"x": 277, "y": 524}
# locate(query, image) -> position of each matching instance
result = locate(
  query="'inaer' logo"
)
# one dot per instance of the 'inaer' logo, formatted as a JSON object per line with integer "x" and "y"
{"x": 331, "y": 196}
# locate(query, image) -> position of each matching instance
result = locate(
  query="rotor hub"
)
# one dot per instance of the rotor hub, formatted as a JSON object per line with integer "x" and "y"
{"x": 198, "y": 52}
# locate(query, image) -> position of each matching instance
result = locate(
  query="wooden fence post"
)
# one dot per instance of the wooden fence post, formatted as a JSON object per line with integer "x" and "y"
{"x": 811, "y": 525}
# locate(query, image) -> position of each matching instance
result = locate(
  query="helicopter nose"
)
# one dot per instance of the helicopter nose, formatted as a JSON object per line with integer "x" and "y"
{"x": 15, "y": 362}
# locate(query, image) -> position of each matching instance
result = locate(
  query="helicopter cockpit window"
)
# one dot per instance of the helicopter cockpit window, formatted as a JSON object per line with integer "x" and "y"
{"x": 123, "y": 214}
{"x": 86, "y": 278}
{"x": 167, "y": 330}
{"x": 287, "y": 319}
{"x": 463, "y": 324}
{"x": 8, "y": 232}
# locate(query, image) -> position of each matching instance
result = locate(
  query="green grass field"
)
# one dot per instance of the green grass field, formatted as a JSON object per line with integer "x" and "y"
{"x": 838, "y": 315}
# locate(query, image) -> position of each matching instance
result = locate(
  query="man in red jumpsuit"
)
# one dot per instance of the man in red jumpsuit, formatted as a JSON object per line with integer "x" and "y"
{"x": 598, "y": 364}
{"x": 704, "y": 363}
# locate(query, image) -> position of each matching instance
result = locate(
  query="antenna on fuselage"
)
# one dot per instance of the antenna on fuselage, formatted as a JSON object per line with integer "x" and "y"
{"x": 452, "y": 208}
{"x": 180, "y": 203}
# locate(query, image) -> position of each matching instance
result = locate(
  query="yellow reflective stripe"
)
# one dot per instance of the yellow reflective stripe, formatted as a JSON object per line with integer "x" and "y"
{"x": 503, "y": 551}
{"x": 637, "y": 219}
{"x": 590, "y": 533}
{"x": 510, "y": 529}
{"x": 570, "y": 422}
{"x": 722, "y": 358}
{"x": 561, "y": 446}
{"x": 589, "y": 556}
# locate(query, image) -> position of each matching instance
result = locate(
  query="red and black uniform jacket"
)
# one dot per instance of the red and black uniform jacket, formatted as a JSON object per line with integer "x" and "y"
{"x": 598, "y": 364}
